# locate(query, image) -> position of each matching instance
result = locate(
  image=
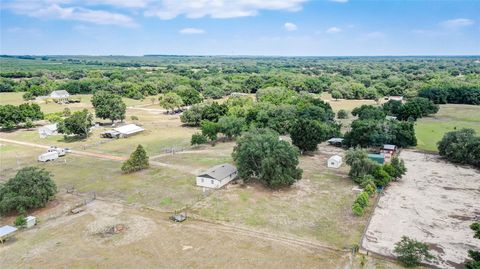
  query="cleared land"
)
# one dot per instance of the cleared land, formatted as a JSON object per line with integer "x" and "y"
{"x": 435, "y": 202}
{"x": 449, "y": 118}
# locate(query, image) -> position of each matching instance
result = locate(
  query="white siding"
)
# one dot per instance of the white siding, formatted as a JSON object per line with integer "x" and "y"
{"x": 214, "y": 183}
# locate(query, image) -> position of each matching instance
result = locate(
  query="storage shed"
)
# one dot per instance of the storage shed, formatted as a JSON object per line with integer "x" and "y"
{"x": 390, "y": 149}
{"x": 335, "y": 161}
{"x": 6, "y": 232}
{"x": 335, "y": 141}
{"x": 31, "y": 221}
{"x": 47, "y": 130}
{"x": 217, "y": 176}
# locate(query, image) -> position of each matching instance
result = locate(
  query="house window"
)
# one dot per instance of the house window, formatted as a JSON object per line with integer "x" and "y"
{"x": 212, "y": 181}
{"x": 202, "y": 179}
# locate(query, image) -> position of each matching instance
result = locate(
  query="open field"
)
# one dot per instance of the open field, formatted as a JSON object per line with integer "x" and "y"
{"x": 311, "y": 208}
{"x": 434, "y": 205}
{"x": 450, "y": 117}
{"x": 148, "y": 240}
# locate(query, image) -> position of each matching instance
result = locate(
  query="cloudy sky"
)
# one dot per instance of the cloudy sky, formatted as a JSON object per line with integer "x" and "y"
{"x": 240, "y": 27}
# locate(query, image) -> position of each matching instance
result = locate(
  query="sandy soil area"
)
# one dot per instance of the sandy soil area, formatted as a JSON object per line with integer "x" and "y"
{"x": 435, "y": 202}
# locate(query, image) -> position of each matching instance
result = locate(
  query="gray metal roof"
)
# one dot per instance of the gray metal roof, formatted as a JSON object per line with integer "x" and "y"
{"x": 335, "y": 140}
{"x": 59, "y": 93}
{"x": 219, "y": 172}
{"x": 389, "y": 147}
{"x": 6, "y": 230}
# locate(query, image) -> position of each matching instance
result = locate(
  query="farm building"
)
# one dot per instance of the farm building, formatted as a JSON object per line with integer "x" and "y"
{"x": 123, "y": 131}
{"x": 379, "y": 158}
{"x": 49, "y": 156}
{"x": 61, "y": 95}
{"x": 335, "y": 161}
{"x": 48, "y": 130}
{"x": 335, "y": 141}
{"x": 6, "y": 232}
{"x": 217, "y": 176}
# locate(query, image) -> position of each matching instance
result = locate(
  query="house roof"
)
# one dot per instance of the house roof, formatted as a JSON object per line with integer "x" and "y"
{"x": 129, "y": 129}
{"x": 335, "y": 158}
{"x": 29, "y": 218}
{"x": 59, "y": 93}
{"x": 6, "y": 230}
{"x": 400, "y": 98}
{"x": 219, "y": 172}
{"x": 389, "y": 147}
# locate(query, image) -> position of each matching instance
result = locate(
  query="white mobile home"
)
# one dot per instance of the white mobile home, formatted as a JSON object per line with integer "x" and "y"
{"x": 123, "y": 131}
{"x": 60, "y": 95}
{"x": 61, "y": 151}
{"x": 335, "y": 161}
{"x": 6, "y": 232}
{"x": 49, "y": 156}
{"x": 217, "y": 176}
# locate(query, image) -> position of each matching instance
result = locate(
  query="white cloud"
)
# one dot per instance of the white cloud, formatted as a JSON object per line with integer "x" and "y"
{"x": 333, "y": 30}
{"x": 457, "y": 23}
{"x": 290, "y": 26}
{"x": 220, "y": 9}
{"x": 120, "y": 3}
{"x": 55, "y": 11}
{"x": 339, "y": 1}
{"x": 191, "y": 31}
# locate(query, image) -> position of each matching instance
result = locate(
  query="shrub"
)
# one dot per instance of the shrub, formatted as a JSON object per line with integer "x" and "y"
{"x": 20, "y": 221}
{"x": 357, "y": 209}
{"x": 362, "y": 199}
{"x": 342, "y": 114}
{"x": 412, "y": 252}
{"x": 382, "y": 178}
{"x": 133, "y": 117}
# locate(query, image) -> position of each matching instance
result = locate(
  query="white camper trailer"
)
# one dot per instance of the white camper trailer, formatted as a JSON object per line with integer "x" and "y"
{"x": 49, "y": 156}
{"x": 61, "y": 151}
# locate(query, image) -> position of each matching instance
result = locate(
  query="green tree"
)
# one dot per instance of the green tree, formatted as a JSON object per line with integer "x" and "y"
{"x": 78, "y": 124}
{"x": 231, "y": 126}
{"x": 109, "y": 106}
{"x": 210, "y": 129}
{"x": 193, "y": 115}
{"x": 336, "y": 95}
{"x": 261, "y": 155}
{"x": 31, "y": 187}
{"x": 189, "y": 95}
{"x": 360, "y": 164}
{"x": 20, "y": 221}
{"x": 412, "y": 252}
{"x": 368, "y": 112}
{"x": 198, "y": 138}
{"x": 474, "y": 255}
{"x": 462, "y": 146}
{"x": 214, "y": 111}
{"x": 138, "y": 161}
{"x": 306, "y": 134}
{"x": 382, "y": 178}
{"x": 170, "y": 101}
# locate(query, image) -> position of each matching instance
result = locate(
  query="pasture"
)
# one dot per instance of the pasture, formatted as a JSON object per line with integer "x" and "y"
{"x": 451, "y": 117}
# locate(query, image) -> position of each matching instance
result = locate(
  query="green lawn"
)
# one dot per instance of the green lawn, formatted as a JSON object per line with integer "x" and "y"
{"x": 450, "y": 117}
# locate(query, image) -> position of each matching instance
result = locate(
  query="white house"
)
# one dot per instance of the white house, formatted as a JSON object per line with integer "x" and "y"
{"x": 60, "y": 95}
{"x": 49, "y": 156}
{"x": 335, "y": 161}
{"x": 217, "y": 176}
{"x": 47, "y": 130}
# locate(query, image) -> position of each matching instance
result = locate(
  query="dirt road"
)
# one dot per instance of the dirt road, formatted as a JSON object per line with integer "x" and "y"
{"x": 100, "y": 155}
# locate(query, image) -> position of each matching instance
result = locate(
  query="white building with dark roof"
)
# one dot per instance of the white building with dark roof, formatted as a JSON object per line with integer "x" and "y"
{"x": 217, "y": 176}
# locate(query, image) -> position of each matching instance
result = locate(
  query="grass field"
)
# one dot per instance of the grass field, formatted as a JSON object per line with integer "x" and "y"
{"x": 450, "y": 117}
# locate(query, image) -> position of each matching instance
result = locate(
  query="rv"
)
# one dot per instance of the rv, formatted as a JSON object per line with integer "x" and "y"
{"x": 49, "y": 156}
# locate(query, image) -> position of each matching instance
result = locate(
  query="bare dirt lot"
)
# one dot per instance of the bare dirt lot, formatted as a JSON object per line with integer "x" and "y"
{"x": 435, "y": 202}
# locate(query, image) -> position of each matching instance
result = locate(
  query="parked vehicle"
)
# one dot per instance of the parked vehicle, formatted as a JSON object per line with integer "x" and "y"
{"x": 49, "y": 156}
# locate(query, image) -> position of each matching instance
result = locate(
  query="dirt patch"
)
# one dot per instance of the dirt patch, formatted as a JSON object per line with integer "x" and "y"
{"x": 435, "y": 202}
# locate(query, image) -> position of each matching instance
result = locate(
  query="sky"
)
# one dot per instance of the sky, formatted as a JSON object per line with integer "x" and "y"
{"x": 240, "y": 27}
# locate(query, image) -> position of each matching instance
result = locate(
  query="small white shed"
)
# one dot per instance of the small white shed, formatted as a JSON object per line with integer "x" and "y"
{"x": 48, "y": 156}
{"x": 335, "y": 161}
{"x": 31, "y": 221}
{"x": 217, "y": 176}
{"x": 47, "y": 130}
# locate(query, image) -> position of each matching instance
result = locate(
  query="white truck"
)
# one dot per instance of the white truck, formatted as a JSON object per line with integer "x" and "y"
{"x": 61, "y": 151}
{"x": 48, "y": 156}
